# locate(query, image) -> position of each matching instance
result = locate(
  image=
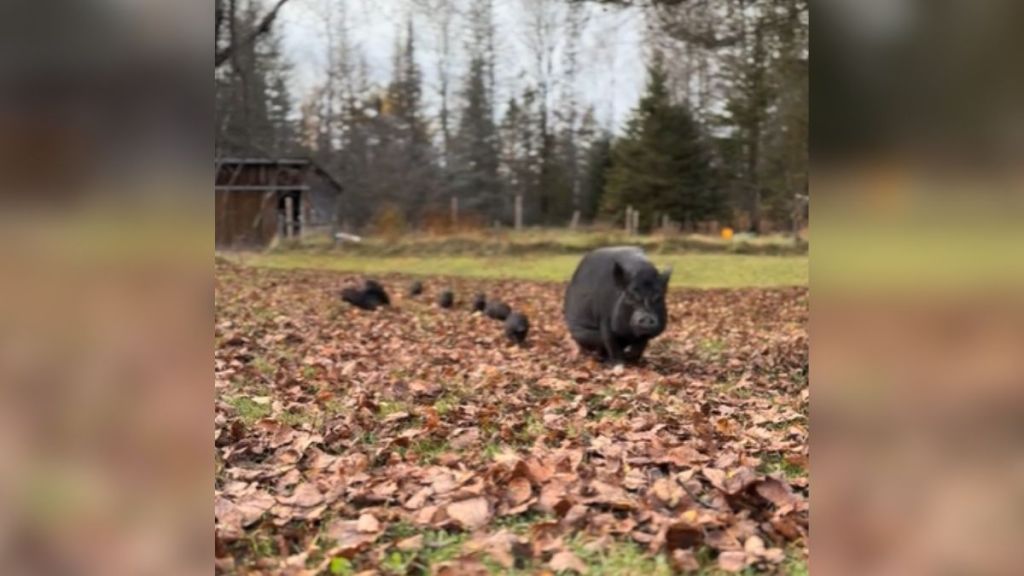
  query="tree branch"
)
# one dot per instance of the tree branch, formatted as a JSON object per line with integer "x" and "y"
{"x": 222, "y": 56}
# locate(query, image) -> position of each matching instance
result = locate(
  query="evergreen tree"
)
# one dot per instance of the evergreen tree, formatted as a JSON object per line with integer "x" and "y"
{"x": 662, "y": 165}
{"x": 475, "y": 148}
{"x": 520, "y": 145}
{"x": 406, "y": 171}
{"x": 595, "y": 175}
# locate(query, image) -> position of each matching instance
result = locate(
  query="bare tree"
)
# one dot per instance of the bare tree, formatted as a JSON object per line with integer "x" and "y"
{"x": 442, "y": 15}
{"x": 543, "y": 34}
{"x": 222, "y": 55}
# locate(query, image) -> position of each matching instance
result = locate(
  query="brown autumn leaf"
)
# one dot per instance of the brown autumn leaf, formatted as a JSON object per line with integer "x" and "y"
{"x": 776, "y": 492}
{"x": 419, "y": 498}
{"x": 567, "y": 561}
{"x": 519, "y": 490}
{"x": 754, "y": 546}
{"x": 738, "y": 479}
{"x": 732, "y": 560}
{"x": 538, "y": 471}
{"x": 668, "y": 492}
{"x": 715, "y": 476}
{"x": 465, "y": 439}
{"x": 463, "y": 567}
{"x": 410, "y": 544}
{"x": 254, "y": 505}
{"x": 731, "y": 482}
{"x": 367, "y": 523}
{"x": 684, "y": 561}
{"x": 305, "y": 495}
{"x": 470, "y": 514}
{"x": 501, "y": 547}
{"x": 348, "y": 538}
{"x": 681, "y": 456}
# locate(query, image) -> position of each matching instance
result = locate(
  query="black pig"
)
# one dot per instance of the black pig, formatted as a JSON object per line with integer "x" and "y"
{"x": 416, "y": 288}
{"x": 446, "y": 299}
{"x": 615, "y": 303}
{"x": 371, "y": 296}
{"x": 479, "y": 302}
{"x": 516, "y": 327}
{"x": 497, "y": 310}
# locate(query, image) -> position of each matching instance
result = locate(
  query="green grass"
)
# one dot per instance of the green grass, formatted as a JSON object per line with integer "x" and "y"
{"x": 622, "y": 558}
{"x": 295, "y": 419}
{"x": 794, "y": 566}
{"x": 711, "y": 349}
{"x": 249, "y": 411}
{"x": 439, "y": 546}
{"x": 429, "y": 450}
{"x": 690, "y": 270}
{"x": 386, "y": 408}
{"x": 775, "y": 463}
{"x": 446, "y": 403}
{"x": 548, "y": 240}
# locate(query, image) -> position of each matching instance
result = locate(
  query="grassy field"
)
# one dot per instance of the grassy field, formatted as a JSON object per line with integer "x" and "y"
{"x": 554, "y": 241}
{"x": 690, "y": 270}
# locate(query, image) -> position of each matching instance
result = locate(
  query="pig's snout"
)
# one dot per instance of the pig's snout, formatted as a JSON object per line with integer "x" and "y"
{"x": 644, "y": 323}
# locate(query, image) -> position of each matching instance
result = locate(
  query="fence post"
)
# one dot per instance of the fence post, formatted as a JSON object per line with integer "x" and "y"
{"x": 288, "y": 209}
{"x": 664, "y": 222}
{"x": 629, "y": 220}
{"x": 636, "y": 222}
{"x": 519, "y": 212}
{"x": 575, "y": 220}
{"x": 455, "y": 212}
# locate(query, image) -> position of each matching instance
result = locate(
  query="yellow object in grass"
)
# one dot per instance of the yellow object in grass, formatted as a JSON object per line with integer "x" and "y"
{"x": 727, "y": 233}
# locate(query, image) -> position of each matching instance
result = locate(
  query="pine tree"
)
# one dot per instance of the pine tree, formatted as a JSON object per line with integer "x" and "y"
{"x": 405, "y": 158}
{"x": 520, "y": 146}
{"x": 595, "y": 173}
{"x": 475, "y": 147}
{"x": 662, "y": 164}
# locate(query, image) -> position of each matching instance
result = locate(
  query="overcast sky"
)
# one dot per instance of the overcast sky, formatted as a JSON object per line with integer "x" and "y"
{"x": 612, "y": 69}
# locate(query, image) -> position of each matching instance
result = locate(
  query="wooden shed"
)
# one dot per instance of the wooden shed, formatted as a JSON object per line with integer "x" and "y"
{"x": 259, "y": 199}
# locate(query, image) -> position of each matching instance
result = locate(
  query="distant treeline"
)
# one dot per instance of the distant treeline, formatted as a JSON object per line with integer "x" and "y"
{"x": 720, "y": 133}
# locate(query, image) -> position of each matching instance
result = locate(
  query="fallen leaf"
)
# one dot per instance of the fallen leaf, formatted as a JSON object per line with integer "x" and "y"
{"x": 465, "y": 439}
{"x": 368, "y": 523}
{"x": 754, "y": 546}
{"x": 306, "y": 495}
{"x": 348, "y": 538}
{"x": 470, "y": 514}
{"x": 411, "y": 543}
{"x": 668, "y": 491}
{"x": 684, "y": 561}
{"x": 776, "y": 492}
{"x": 732, "y": 561}
{"x": 565, "y": 561}
{"x": 519, "y": 490}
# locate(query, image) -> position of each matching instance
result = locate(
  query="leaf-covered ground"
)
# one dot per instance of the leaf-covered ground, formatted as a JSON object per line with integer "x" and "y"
{"x": 416, "y": 440}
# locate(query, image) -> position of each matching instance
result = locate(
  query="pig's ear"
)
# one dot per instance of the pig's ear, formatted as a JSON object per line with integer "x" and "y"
{"x": 664, "y": 276}
{"x": 621, "y": 278}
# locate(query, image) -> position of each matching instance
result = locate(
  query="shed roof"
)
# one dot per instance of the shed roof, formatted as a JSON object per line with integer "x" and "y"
{"x": 294, "y": 162}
